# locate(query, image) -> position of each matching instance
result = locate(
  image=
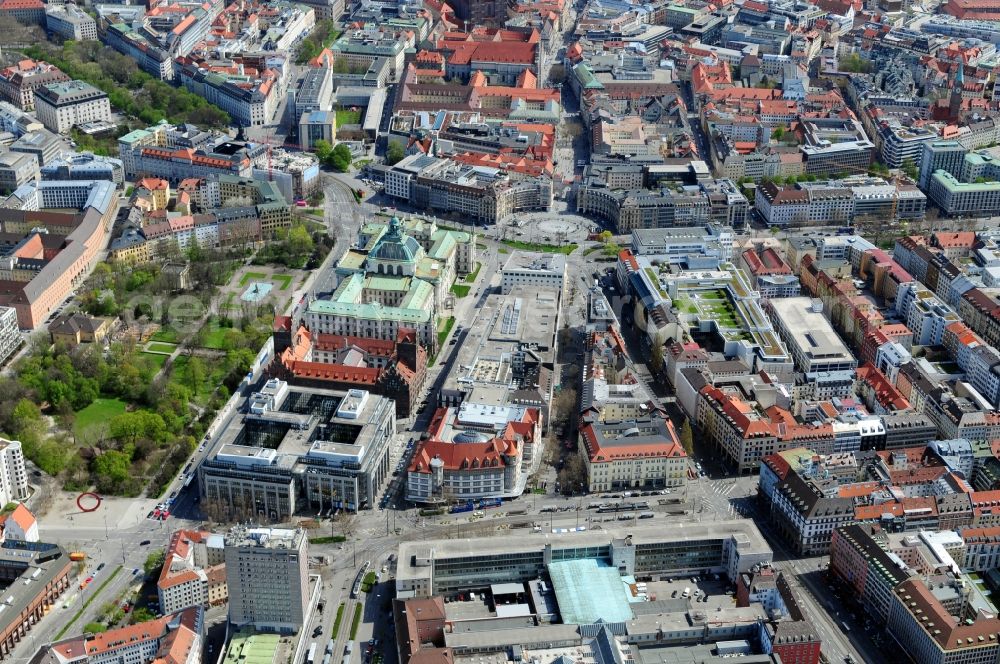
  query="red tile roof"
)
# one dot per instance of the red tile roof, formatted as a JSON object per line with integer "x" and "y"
{"x": 963, "y": 240}
{"x": 178, "y": 550}
{"x": 11, "y": 5}
{"x": 464, "y": 456}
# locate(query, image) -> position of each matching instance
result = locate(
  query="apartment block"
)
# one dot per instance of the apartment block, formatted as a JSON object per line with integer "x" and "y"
{"x": 248, "y": 103}
{"x": 10, "y": 334}
{"x": 817, "y": 350}
{"x": 84, "y": 166}
{"x": 13, "y": 476}
{"x": 151, "y": 57}
{"x": 485, "y": 194}
{"x": 70, "y": 22}
{"x": 19, "y": 82}
{"x": 835, "y": 145}
{"x": 93, "y": 206}
{"x": 945, "y": 156}
{"x": 314, "y": 92}
{"x": 61, "y": 106}
{"x": 474, "y": 452}
{"x": 176, "y": 637}
{"x": 924, "y": 628}
{"x": 982, "y": 548}
{"x": 317, "y": 126}
{"x": 640, "y": 453}
{"x": 29, "y": 12}
{"x": 194, "y": 571}
{"x": 901, "y": 144}
{"x": 42, "y": 143}
{"x": 533, "y": 271}
{"x": 838, "y": 202}
{"x": 957, "y": 198}
{"x": 859, "y": 558}
{"x": 267, "y": 575}
{"x": 769, "y": 272}
{"x": 37, "y": 574}
{"x": 16, "y": 169}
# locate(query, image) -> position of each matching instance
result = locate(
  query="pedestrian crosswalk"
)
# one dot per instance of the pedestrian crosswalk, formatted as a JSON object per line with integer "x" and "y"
{"x": 723, "y": 489}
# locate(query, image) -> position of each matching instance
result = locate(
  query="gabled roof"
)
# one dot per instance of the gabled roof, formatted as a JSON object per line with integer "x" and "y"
{"x": 23, "y": 517}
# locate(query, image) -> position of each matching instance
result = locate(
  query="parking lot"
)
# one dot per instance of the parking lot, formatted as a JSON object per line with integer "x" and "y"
{"x": 703, "y": 591}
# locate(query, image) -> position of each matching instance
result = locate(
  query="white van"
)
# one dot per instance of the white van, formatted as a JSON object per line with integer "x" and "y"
{"x": 686, "y": 593}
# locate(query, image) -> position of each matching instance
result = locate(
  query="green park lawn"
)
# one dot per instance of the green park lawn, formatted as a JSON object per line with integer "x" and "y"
{"x": 283, "y": 281}
{"x": 166, "y": 335}
{"x": 215, "y": 337}
{"x": 544, "y": 248}
{"x": 159, "y": 359}
{"x": 346, "y": 116}
{"x": 471, "y": 277}
{"x": 460, "y": 291}
{"x": 252, "y": 276}
{"x": 99, "y": 412}
{"x": 444, "y": 327}
{"x": 160, "y": 347}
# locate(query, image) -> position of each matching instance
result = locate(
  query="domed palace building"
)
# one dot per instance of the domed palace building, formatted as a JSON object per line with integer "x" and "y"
{"x": 398, "y": 275}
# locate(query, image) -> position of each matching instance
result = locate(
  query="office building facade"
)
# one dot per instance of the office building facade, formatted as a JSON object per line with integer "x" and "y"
{"x": 61, "y": 106}
{"x": 267, "y": 578}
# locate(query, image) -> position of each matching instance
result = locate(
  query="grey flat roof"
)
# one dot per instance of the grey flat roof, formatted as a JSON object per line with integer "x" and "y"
{"x": 539, "y": 635}
{"x": 809, "y": 329}
{"x": 530, "y": 261}
{"x": 687, "y": 654}
{"x": 744, "y": 531}
{"x": 40, "y": 565}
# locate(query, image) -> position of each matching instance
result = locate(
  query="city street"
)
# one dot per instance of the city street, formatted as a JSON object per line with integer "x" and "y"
{"x": 119, "y": 534}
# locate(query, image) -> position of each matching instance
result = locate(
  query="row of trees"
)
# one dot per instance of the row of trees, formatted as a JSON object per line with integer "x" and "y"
{"x": 168, "y": 408}
{"x": 129, "y": 89}
{"x": 67, "y": 381}
{"x": 296, "y": 248}
{"x": 610, "y": 248}
{"x": 323, "y": 34}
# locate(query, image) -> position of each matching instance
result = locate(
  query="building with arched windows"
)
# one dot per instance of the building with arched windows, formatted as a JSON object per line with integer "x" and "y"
{"x": 397, "y": 277}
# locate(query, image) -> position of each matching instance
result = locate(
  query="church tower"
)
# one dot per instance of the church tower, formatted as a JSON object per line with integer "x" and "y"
{"x": 957, "y": 85}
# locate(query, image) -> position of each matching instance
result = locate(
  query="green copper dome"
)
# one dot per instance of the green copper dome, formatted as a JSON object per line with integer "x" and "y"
{"x": 395, "y": 245}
